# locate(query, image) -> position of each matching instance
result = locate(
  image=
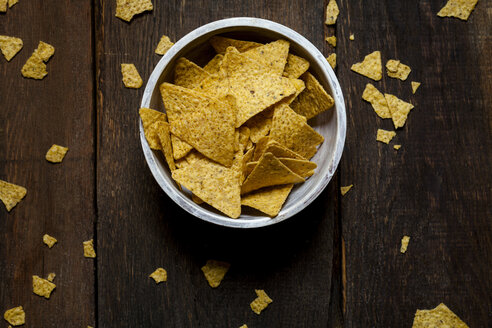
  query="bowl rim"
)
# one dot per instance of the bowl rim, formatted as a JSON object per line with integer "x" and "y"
{"x": 220, "y": 219}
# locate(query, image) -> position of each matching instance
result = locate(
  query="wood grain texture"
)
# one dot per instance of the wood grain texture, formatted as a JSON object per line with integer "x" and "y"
{"x": 60, "y": 198}
{"x": 437, "y": 187}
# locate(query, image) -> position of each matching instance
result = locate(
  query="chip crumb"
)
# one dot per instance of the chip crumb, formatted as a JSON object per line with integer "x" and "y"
{"x": 42, "y": 287}
{"x": 458, "y": 8}
{"x": 49, "y": 241}
{"x": 89, "y": 249}
{"x": 12, "y": 3}
{"x": 377, "y": 101}
{"x": 385, "y": 136}
{"x": 35, "y": 67}
{"x": 404, "y": 244}
{"x": 126, "y": 9}
{"x": 440, "y": 316}
{"x": 345, "y": 189}
{"x": 244, "y": 326}
{"x": 15, "y": 316}
{"x": 295, "y": 66}
{"x": 51, "y": 277}
{"x": 370, "y": 67}
{"x": 131, "y": 77}
{"x": 164, "y": 45}
{"x": 396, "y": 147}
{"x": 159, "y": 275}
{"x": 10, "y": 46}
{"x": 332, "y": 60}
{"x": 397, "y": 70}
{"x": 56, "y": 154}
{"x": 332, "y": 12}
{"x": 332, "y": 40}
{"x": 352, "y": 37}
{"x": 11, "y": 194}
{"x": 261, "y": 302}
{"x": 415, "y": 86}
{"x": 215, "y": 271}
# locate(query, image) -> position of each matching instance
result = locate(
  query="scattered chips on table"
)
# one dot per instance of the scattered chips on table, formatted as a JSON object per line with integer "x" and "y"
{"x": 370, "y": 67}
{"x": 440, "y": 316}
{"x": 415, "y": 86}
{"x": 397, "y": 70}
{"x": 159, "y": 275}
{"x": 332, "y": 12}
{"x": 131, "y": 78}
{"x": 332, "y": 40}
{"x": 377, "y": 100}
{"x": 35, "y": 67}
{"x": 188, "y": 74}
{"x": 220, "y": 44}
{"x": 89, "y": 249}
{"x": 458, "y": 8}
{"x": 396, "y": 147}
{"x": 56, "y": 154}
{"x": 351, "y": 37}
{"x": 332, "y": 60}
{"x": 295, "y": 66}
{"x": 15, "y": 316}
{"x": 345, "y": 189}
{"x": 399, "y": 110}
{"x": 164, "y": 45}
{"x": 261, "y": 302}
{"x": 126, "y": 9}
{"x": 51, "y": 277}
{"x": 10, "y": 46}
{"x": 11, "y": 194}
{"x": 268, "y": 200}
{"x": 385, "y": 136}
{"x": 49, "y": 241}
{"x": 404, "y": 244}
{"x": 42, "y": 287}
{"x": 215, "y": 271}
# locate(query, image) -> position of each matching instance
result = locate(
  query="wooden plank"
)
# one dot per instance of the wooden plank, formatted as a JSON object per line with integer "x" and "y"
{"x": 437, "y": 187}
{"x": 60, "y": 198}
{"x": 140, "y": 228}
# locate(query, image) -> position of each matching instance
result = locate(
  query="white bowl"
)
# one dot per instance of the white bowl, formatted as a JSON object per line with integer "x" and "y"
{"x": 331, "y": 124}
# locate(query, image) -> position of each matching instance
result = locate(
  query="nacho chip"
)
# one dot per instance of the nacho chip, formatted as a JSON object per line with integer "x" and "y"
{"x": 331, "y": 12}
{"x": 11, "y": 194}
{"x": 159, "y": 275}
{"x": 352, "y": 37}
{"x": 49, "y": 241}
{"x": 268, "y": 200}
{"x": 399, "y": 110}
{"x": 188, "y": 74}
{"x": 220, "y": 44}
{"x": 51, "y": 277}
{"x": 266, "y": 145}
{"x": 415, "y": 86}
{"x": 458, "y": 8}
{"x": 215, "y": 271}
{"x": 42, "y": 287}
{"x": 204, "y": 122}
{"x": 213, "y": 183}
{"x": 89, "y": 249}
{"x": 295, "y": 66}
{"x": 332, "y": 60}
{"x": 3, "y": 6}
{"x": 377, "y": 100}
{"x": 269, "y": 172}
{"x": 345, "y": 189}
{"x": 301, "y": 167}
{"x": 131, "y": 78}
{"x": 180, "y": 147}
{"x": 45, "y": 51}
{"x": 404, "y": 244}
{"x": 12, "y": 3}
{"x": 261, "y": 302}
{"x": 10, "y": 46}
{"x": 164, "y": 45}
{"x": 313, "y": 100}
{"x": 272, "y": 55}
{"x": 213, "y": 66}
{"x": 162, "y": 129}
{"x": 397, "y": 70}
{"x": 385, "y": 136}
{"x": 15, "y": 316}
{"x": 441, "y": 316}
{"x": 396, "y": 147}
{"x": 56, "y": 154}
{"x": 34, "y": 68}
{"x": 332, "y": 40}
{"x": 126, "y": 9}
{"x": 260, "y": 124}
{"x": 370, "y": 67}
{"x": 149, "y": 118}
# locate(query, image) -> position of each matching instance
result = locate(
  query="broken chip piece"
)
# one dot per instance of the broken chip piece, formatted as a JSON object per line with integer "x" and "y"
{"x": 385, "y": 136}
{"x": 51, "y": 277}
{"x": 164, "y": 45}
{"x": 397, "y": 70}
{"x": 126, "y": 9}
{"x": 42, "y": 287}
{"x": 56, "y": 154}
{"x": 11, "y": 194}
{"x": 10, "y": 46}
{"x": 377, "y": 101}
{"x": 332, "y": 40}
{"x": 404, "y": 244}
{"x": 131, "y": 78}
{"x": 3, "y": 6}
{"x": 415, "y": 86}
{"x": 215, "y": 271}
{"x": 15, "y": 316}
{"x": 396, "y": 147}
{"x": 440, "y": 316}
{"x": 351, "y": 37}
{"x": 458, "y": 8}
{"x": 332, "y": 60}
{"x": 35, "y": 67}
{"x": 399, "y": 110}
{"x": 159, "y": 275}
{"x": 89, "y": 249}
{"x": 345, "y": 189}
{"x": 261, "y": 302}
{"x": 49, "y": 241}
{"x": 12, "y": 3}
{"x": 332, "y": 12}
{"x": 370, "y": 67}
{"x": 268, "y": 200}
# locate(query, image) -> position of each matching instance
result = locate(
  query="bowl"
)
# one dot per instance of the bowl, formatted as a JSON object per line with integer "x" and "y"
{"x": 331, "y": 124}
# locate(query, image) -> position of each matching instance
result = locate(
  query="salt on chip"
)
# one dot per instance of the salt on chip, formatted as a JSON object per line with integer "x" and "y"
{"x": 15, "y": 316}
{"x": 415, "y": 86}
{"x": 159, "y": 275}
{"x": 164, "y": 45}
{"x": 440, "y": 316}
{"x": 220, "y": 44}
{"x": 126, "y": 9}
{"x": 11, "y": 194}
{"x": 51, "y": 277}
{"x": 180, "y": 147}
{"x": 458, "y": 8}
{"x": 313, "y": 100}
{"x": 42, "y": 287}
{"x": 332, "y": 60}
{"x": 399, "y": 110}
{"x": 377, "y": 100}
{"x": 162, "y": 129}
{"x": 188, "y": 74}
{"x": 370, "y": 67}
{"x": 213, "y": 66}
{"x": 49, "y": 240}
{"x": 268, "y": 200}
{"x": 131, "y": 78}
{"x": 215, "y": 271}
{"x": 261, "y": 302}
{"x": 385, "y": 136}
{"x": 404, "y": 244}
{"x": 332, "y": 12}
{"x": 397, "y": 70}
{"x": 10, "y": 46}
{"x": 295, "y": 66}
{"x": 56, "y": 154}
{"x": 273, "y": 55}
{"x": 89, "y": 249}
{"x": 332, "y": 40}
{"x": 345, "y": 189}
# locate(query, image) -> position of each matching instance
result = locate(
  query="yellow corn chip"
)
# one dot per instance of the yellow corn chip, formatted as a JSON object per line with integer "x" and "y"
{"x": 269, "y": 172}
{"x": 3, "y": 6}
{"x": 272, "y": 55}
{"x": 299, "y": 85}
{"x": 49, "y": 241}
{"x": 404, "y": 244}
{"x": 441, "y": 316}
{"x": 164, "y": 45}
{"x": 458, "y": 8}
{"x": 332, "y": 40}
{"x": 56, "y": 154}
{"x": 244, "y": 326}
{"x": 345, "y": 189}
{"x": 34, "y": 68}
{"x": 213, "y": 183}
{"x": 51, "y": 277}
{"x": 162, "y": 129}
{"x": 213, "y": 66}
{"x": 152, "y": 136}
{"x": 377, "y": 100}
{"x": 397, "y": 70}
{"x": 351, "y": 37}
{"x": 313, "y": 100}
{"x": 149, "y": 118}
{"x": 268, "y": 200}
{"x": 12, "y": 3}
{"x": 131, "y": 78}
{"x": 370, "y": 67}
{"x": 159, "y": 275}
{"x": 15, "y": 316}
{"x": 244, "y": 134}
{"x": 266, "y": 145}
{"x": 295, "y": 67}
{"x": 399, "y": 110}
{"x": 220, "y": 44}
{"x": 260, "y": 124}
{"x": 42, "y": 287}
{"x": 215, "y": 271}
{"x": 89, "y": 249}
{"x": 301, "y": 167}
{"x": 415, "y": 86}
{"x": 249, "y": 167}
{"x": 10, "y": 46}
{"x": 11, "y": 194}
{"x": 331, "y": 12}
{"x": 261, "y": 302}
{"x": 188, "y": 74}
{"x": 396, "y": 147}
{"x": 332, "y": 60}
{"x": 126, "y": 9}
{"x": 180, "y": 148}
{"x": 385, "y": 136}
{"x": 45, "y": 51}
{"x": 204, "y": 122}
{"x": 392, "y": 65}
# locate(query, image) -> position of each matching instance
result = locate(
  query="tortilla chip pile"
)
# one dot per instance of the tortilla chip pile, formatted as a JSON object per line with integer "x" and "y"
{"x": 235, "y": 132}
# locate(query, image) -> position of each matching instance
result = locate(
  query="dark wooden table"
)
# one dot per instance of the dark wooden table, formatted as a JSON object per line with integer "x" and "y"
{"x": 337, "y": 264}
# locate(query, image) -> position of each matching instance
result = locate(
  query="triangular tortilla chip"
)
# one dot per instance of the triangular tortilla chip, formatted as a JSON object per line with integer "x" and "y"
{"x": 301, "y": 167}
{"x": 295, "y": 66}
{"x": 220, "y": 44}
{"x": 204, "y": 122}
{"x": 213, "y": 66}
{"x": 188, "y": 74}
{"x": 313, "y": 100}
{"x": 162, "y": 129}
{"x": 272, "y": 55}
{"x": 377, "y": 100}
{"x": 415, "y": 86}
{"x": 300, "y": 86}
{"x": 260, "y": 124}
{"x": 370, "y": 67}
{"x": 266, "y": 145}
{"x": 11, "y": 194}
{"x": 180, "y": 148}
{"x": 269, "y": 172}
{"x": 10, "y": 46}
{"x": 268, "y": 200}
{"x": 399, "y": 110}
{"x": 149, "y": 118}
